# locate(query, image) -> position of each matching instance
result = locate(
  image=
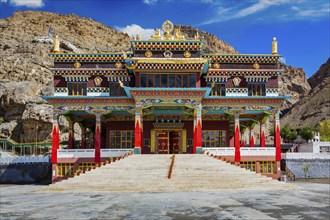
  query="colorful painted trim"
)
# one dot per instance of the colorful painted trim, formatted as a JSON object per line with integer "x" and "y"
{"x": 236, "y": 90}
{"x": 76, "y": 78}
{"x": 242, "y": 58}
{"x": 219, "y": 79}
{"x": 100, "y": 57}
{"x": 241, "y": 72}
{"x": 61, "y": 89}
{"x": 91, "y": 71}
{"x": 98, "y": 89}
{"x": 257, "y": 79}
{"x": 167, "y": 45}
{"x": 263, "y": 100}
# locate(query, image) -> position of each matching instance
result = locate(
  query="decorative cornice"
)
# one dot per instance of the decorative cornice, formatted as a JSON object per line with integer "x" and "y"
{"x": 88, "y": 71}
{"x": 244, "y": 72}
{"x": 242, "y": 58}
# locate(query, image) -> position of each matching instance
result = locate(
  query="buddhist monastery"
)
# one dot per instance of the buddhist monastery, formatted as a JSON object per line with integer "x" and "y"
{"x": 166, "y": 96}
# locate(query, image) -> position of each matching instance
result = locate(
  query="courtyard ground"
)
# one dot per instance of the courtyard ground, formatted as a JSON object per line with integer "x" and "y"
{"x": 308, "y": 201}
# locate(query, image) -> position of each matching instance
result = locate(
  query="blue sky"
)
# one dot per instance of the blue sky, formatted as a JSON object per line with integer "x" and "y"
{"x": 301, "y": 26}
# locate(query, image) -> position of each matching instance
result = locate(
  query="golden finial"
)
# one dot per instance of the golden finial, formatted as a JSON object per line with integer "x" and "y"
{"x": 138, "y": 37}
{"x": 56, "y": 44}
{"x": 274, "y": 46}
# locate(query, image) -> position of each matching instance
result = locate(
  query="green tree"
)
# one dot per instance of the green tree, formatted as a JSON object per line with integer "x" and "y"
{"x": 285, "y": 132}
{"x": 293, "y": 135}
{"x": 307, "y": 132}
{"x": 325, "y": 130}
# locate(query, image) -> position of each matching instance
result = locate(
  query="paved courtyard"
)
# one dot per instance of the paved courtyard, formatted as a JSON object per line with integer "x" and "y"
{"x": 308, "y": 201}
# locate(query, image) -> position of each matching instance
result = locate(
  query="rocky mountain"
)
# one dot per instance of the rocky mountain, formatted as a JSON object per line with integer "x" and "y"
{"x": 24, "y": 62}
{"x": 314, "y": 106}
{"x": 212, "y": 44}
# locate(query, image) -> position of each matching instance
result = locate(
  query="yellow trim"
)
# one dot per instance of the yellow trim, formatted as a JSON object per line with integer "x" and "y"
{"x": 184, "y": 141}
{"x": 153, "y": 141}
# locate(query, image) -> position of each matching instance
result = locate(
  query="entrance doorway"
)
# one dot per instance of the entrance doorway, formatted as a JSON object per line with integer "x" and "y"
{"x": 168, "y": 142}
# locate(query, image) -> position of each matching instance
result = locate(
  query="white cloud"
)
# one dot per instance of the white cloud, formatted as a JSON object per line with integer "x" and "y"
{"x": 312, "y": 12}
{"x": 134, "y": 29}
{"x": 26, "y": 3}
{"x": 302, "y": 9}
{"x": 149, "y": 2}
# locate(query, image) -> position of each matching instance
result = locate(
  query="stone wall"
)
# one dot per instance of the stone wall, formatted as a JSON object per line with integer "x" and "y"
{"x": 319, "y": 168}
{"x": 26, "y": 173}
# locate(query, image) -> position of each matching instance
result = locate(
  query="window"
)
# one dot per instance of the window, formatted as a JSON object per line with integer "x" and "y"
{"x": 268, "y": 167}
{"x": 77, "y": 89}
{"x": 65, "y": 169}
{"x": 214, "y": 138}
{"x": 116, "y": 90}
{"x": 84, "y": 166}
{"x": 168, "y": 80}
{"x": 257, "y": 89}
{"x": 121, "y": 139}
{"x": 249, "y": 165}
{"x": 218, "y": 90}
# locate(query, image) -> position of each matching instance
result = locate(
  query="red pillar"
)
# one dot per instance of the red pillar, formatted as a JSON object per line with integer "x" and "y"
{"x": 198, "y": 130}
{"x": 277, "y": 137}
{"x": 195, "y": 132}
{"x": 251, "y": 137}
{"x": 138, "y": 132}
{"x": 71, "y": 135}
{"x": 55, "y": 139}
{"x": 237, "y": 139}
{"x": 97, "y": 158}
{"x": 262, "y": 135}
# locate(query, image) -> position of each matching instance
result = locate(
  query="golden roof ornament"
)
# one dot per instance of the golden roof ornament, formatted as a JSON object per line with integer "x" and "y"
{"x": 138, "y": 37}
{"x": 186, "y": 54}
{"x": 148, "y": 53}
{"x": 196, "y": 37}
{"x": 56, "y": 44}
{"x": 256, "y": 66}
{"x": 157, "y": 35}
{"x": 274, "y": 46}
{"x": 77, "y": 65}
{"x": 216, "y": 65}
{"x": 167, "y": 27}
{"x": 178, "y": 35}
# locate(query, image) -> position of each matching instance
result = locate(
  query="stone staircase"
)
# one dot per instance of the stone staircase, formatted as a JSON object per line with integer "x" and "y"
{"x": 148, "y": 173}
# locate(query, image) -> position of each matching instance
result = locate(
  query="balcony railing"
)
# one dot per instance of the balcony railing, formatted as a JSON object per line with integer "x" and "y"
{"x": 230, "y": 151}
{"x": 90, "y": 153}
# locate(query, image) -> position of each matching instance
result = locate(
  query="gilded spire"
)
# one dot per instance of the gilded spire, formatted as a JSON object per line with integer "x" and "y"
{"x": 274, "y": 46}
{"x": 56, "y": 44}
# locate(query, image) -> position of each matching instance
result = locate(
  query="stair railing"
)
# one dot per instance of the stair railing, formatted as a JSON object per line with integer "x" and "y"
{"x": 171, "y": 167}
{"x": 289, "y": 174}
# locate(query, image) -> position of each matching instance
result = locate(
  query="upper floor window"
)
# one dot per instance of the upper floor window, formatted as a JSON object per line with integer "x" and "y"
{"x": 77, "y": 88}
{"x": 218, "y": 89}
{"x": 116, "y": 90}
{"x": 168, "y": 80}
{"x": 257, "y": 89}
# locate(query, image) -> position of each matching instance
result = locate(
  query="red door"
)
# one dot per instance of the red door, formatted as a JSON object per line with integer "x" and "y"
{"x": 174, "y": 143}
{"x": 163, "y": 142}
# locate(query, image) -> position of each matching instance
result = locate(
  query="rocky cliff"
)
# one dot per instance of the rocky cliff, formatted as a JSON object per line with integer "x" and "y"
{"x": 24, "y": 62}
{"x": 314, "y": 106}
